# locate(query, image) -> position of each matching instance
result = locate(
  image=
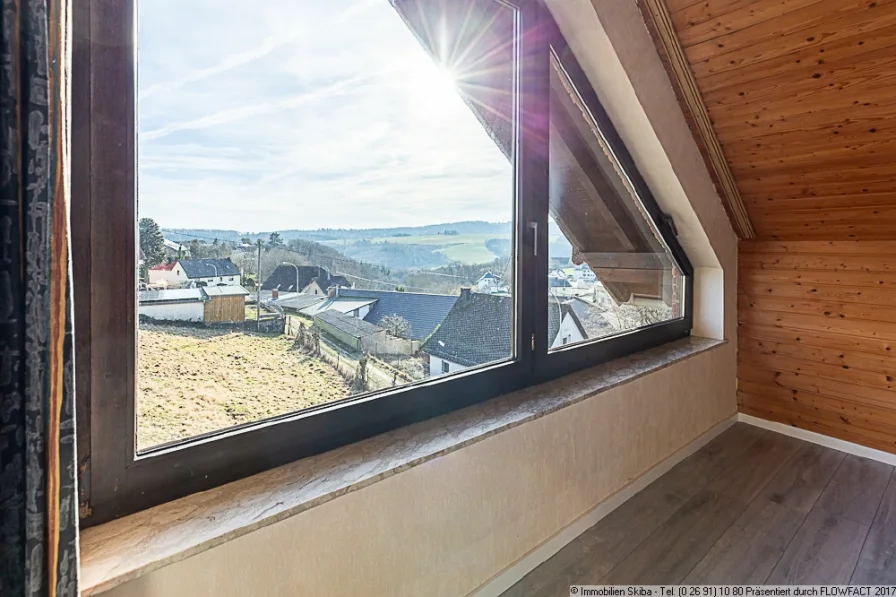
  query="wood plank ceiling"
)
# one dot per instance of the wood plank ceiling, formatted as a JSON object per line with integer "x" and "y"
{"x": 801, "y": 95}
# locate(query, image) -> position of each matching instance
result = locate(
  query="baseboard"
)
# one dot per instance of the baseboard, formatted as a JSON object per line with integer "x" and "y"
{"x": 512, "y": 574}
{"x": 820, "y": 439}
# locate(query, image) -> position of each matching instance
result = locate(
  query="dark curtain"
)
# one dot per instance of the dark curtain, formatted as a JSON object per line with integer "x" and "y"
{"x": 38, "y": 507}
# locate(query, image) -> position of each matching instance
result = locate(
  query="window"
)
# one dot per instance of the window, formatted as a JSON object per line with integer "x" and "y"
{"x": 463, "y": 232}
{"x": 622, "y": 275}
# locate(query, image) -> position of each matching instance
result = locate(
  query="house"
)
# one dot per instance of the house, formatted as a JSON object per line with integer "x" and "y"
{"x": 209, "y": 305}
{"x": 296, "y": 278}
{"x": 355, "y": 307}
{"x": 321, "y": 284}
{"x": 583, "y": 273}
{"x": 479, "y": 330}
{"x": 489, "y": 283}
{"x": 423, "y": 311}
{"x": 175, "y": 250}
{"x": 183, "y": 272}
{"x": 296, "y": 302}
{"x": 356, "y": 334}
{"x": 592, "y": 318}
{"x": 180, "y": 304}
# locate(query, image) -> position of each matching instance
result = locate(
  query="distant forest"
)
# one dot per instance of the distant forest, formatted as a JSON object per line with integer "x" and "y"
{"x": 185, "y": 235}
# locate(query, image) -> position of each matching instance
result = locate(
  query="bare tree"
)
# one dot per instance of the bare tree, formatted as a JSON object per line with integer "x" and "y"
{"x": 633, "y": 316}
{"x": 396, "y": 325}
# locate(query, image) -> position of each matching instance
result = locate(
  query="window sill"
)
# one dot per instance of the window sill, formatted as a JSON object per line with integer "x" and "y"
{"x": 124, "y": 549}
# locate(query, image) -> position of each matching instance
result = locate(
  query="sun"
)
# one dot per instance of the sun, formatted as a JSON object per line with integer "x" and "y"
{"x": 433, "y": 87}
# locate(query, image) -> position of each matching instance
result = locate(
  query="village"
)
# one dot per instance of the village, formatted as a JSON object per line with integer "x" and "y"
{"x": 309, "y": 336}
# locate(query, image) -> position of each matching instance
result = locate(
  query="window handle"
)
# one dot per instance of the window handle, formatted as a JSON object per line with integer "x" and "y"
{"x": 534, "y": 227}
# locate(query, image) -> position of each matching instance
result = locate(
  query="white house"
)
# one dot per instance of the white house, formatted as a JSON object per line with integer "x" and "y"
{"x": 478, "y": 330}
{"x": 583, "y": 273}
{"x": 181, "y": 304}
{"x": 489, "y": 283}
{"x": 183, "y": 272}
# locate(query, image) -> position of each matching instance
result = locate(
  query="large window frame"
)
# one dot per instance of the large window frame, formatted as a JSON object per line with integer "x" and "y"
{"x": 114, "y": 479}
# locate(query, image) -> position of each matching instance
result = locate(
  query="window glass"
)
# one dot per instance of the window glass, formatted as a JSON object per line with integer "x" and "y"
{"x": 349, "y": 168}
{"x": 609, "y": 269}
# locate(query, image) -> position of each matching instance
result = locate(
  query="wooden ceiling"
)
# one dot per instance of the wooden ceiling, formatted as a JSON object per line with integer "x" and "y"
{"x": 801, "y": 98}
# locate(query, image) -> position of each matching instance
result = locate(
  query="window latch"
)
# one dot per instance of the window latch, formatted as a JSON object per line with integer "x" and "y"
{"x": 668, "y": 221}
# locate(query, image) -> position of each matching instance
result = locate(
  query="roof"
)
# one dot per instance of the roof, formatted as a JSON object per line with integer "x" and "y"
{"x": 178, "y": 295}
{"x": 489, "y": 276}
{"x": 284, "y": 277}
{"x": 354, "y": 327}
{"x": 325, "y": 283}
{"x": 163, "y": 267}
{"x": 479, "y": 329}
{"x": 173, "y": 245}
{"x": 208, "y": 268}
{"x": 299, "y": 301}
{"x": 341, "y": 305}
{"x": 555, "y": 282}
{"x": 424, "y": 312}
{"x": 594, "y": 324}
{"x": 225, "y": 291}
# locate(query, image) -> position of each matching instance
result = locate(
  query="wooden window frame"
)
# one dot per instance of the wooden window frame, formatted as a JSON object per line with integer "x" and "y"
{"x": 114, "y": 479}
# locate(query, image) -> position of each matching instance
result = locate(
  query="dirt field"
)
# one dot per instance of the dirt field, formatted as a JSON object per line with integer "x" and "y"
{"x": 193, "y": 381}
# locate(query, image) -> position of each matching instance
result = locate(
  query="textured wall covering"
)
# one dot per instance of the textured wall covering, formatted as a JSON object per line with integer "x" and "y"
{"x": 38, "y": 514}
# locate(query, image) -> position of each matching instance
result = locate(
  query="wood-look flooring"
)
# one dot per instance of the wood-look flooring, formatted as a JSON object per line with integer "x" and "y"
{"x": 751, "y": 507}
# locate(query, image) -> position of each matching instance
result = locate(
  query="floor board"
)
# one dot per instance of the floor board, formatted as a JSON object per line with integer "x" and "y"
{"x": 824, "y": 551}
{"x": 877, "y": 562}
{"x": 752, "y": 506}
{"x": 755, "y": 467}
{"x": 670, "y": 552}
{"x": 856, "y": 489}
{"x": 800, "y": 482}
{"x": 748, "y": 551}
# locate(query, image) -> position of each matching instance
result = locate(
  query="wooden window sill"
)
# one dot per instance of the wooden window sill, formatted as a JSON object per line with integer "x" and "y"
{"x": 121, "y": 550}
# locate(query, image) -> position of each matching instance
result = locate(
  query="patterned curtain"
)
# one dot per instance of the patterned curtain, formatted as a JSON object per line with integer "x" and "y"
{"x": 38, "y": 506}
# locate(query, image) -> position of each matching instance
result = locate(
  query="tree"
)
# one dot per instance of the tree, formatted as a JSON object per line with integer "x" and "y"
{"x": 274, "y": 241}
{"x": 246, "y": 240}
{"x": 152, "y": 243}
{"x": 396, "y": 325}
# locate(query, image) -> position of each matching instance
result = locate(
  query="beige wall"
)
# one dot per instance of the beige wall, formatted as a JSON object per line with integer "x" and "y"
{"x": 448, "y": 526}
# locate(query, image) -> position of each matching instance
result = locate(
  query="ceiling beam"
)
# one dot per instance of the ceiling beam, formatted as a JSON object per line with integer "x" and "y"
{"x": 659, "y": 23}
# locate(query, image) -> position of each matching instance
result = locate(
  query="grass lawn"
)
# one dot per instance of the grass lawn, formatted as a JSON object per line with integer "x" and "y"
{"x": 466, "y": 248}
{"x": 194, "y": 380}
{"x": 468, "y": 253}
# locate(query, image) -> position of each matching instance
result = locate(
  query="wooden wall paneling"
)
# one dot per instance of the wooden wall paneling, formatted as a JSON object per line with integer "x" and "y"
{"x": 801, "y": 96}
{"x": 817, "y": 337}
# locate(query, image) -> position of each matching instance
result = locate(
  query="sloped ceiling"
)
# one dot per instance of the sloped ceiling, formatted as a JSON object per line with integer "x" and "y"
{"x": 800, "y": 97}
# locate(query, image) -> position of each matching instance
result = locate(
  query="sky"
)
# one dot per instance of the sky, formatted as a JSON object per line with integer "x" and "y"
{"x": 304, "y": 114}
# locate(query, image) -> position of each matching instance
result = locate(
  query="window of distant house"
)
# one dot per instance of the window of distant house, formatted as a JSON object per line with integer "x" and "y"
{"x": 445, "y": 367}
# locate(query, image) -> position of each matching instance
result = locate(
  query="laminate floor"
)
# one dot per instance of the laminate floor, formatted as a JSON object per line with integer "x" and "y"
{"x": 751, "y": 507}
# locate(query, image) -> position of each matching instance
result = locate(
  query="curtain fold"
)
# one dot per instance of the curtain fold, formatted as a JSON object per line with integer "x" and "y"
{"x": 38, "y": 497}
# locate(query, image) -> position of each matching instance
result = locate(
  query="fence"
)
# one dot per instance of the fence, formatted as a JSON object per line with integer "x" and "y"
{"x": 389, "y": 345}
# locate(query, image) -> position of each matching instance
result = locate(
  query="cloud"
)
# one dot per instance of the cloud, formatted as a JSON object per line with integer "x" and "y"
{"x": 304, "y": 115}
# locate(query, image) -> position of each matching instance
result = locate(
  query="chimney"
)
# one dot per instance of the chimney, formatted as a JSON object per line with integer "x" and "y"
{"x": 332, "y": 291}
{"x": 465, "y": 293}
{"x": 275, "y": 294}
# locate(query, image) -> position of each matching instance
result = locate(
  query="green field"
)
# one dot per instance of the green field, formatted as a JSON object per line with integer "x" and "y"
{"x": 469, "y": 249}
